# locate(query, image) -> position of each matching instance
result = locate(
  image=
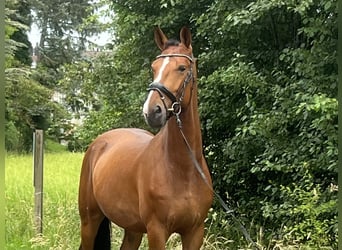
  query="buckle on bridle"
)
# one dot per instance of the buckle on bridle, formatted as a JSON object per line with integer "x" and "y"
{"x": 176, "y": 108}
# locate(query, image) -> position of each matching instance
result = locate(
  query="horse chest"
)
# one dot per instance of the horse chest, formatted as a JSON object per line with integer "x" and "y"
{"x": 177, "y": 207}
{"x": 183, "y": 212}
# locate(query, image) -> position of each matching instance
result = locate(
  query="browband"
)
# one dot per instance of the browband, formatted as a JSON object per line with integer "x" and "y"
{"x": 176, "y": 55}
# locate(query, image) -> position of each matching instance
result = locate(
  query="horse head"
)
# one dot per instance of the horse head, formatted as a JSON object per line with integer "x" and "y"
{"x": 173, "y": 79}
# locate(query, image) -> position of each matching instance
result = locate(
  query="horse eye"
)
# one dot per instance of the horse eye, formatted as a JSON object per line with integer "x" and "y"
{"x": 181, "y": 68}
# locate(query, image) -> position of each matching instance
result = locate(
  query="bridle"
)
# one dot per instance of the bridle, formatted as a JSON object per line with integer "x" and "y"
{"x": 176, "y": 101}
{"x": 175, "y": 110}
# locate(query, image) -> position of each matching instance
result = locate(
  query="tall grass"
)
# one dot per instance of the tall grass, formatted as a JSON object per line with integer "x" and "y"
{"x": 60, "y": 213}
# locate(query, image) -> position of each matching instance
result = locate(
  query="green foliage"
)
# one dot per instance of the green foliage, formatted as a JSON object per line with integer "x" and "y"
{"x": 51, "y": 146}
{"x": 28, "y": 103}
{"x": 22, "y": 16}
{"x": 28, "y": 107}
{"x": 64, "y": 27}
{"x": 12, "y": 138}
{"x": 274, "y": 134}
{"x": 110, "y": 88}
{"x": 13, "y": 26}
{"x": 268, "y": 87}
{"x": 306, "y": 212}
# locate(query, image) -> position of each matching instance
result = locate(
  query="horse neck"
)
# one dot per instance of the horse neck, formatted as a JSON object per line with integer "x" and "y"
{"x": 176, "y": 147}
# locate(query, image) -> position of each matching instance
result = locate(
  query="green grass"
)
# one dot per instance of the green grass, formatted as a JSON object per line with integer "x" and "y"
{"x": 51, "y": 146}
{"x": 60, "y": 212}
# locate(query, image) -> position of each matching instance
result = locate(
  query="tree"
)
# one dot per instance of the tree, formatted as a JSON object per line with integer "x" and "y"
{"x": 268, "y": 80}
{"x": 64, "y": 27}
{"x": 278, "y": 97}
{"x": 22, "y": 15}
{"x": 28, "y": 103}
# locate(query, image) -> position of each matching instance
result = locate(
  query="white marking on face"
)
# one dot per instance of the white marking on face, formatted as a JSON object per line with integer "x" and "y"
{"x": 162, "y": 68}
{"x": 147, "y": 102}
{"x": 157, "y": 79}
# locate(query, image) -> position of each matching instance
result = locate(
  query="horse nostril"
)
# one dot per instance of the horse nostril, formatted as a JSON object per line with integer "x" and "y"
{"x": 156, "y": 117}
{"x": 157, "y": 109}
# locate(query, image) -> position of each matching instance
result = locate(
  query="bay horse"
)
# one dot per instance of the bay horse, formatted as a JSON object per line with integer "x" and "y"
{"x": 146, "y": 183}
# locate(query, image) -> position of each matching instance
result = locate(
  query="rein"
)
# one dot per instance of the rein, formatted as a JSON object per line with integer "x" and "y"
{"x": 222, "y": 203}
{"x": 176, "y": 110}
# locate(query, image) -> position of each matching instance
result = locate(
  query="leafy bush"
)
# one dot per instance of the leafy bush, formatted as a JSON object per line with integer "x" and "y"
{"x": 268, "y": 86}
{"x": 271, "y": 137}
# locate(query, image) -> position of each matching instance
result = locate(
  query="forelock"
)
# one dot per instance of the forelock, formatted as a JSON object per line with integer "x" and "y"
{"x": 171, "y": 42}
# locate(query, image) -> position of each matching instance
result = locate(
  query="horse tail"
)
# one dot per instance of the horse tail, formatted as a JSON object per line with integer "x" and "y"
{"x": 102, "y": 240}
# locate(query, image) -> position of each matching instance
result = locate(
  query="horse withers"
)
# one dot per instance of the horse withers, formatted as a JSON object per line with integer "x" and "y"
{"x": 146, "y": 183}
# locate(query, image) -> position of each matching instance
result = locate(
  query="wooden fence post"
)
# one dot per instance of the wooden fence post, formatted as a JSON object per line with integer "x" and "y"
{"x": 38, "y": 179}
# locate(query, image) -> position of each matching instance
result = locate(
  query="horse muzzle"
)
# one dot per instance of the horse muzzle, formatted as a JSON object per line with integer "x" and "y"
{"x": 156, "y": 116}
{"x": 155, "y": 112}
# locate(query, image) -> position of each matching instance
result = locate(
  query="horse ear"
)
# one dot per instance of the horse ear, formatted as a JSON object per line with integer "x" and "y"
{"x": 160, "y": 38}
{"x": 185, "y": 36}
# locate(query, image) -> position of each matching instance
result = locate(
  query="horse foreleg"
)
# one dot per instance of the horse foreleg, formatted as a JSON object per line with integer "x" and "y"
{"x": 131, "y": 240}
{"x": 193, "y": 239}
{"x": 156, "y": 235}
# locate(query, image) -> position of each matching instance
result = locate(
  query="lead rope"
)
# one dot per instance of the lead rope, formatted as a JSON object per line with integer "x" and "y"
{"x": 200, "y": 171}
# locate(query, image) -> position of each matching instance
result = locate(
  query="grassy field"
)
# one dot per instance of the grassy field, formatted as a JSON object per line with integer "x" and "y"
{"x": 60, "y": 213}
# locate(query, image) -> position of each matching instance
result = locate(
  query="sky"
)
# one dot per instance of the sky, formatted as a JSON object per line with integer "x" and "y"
{"x": 34, "y": 35}
{"x": 101, "y": 39}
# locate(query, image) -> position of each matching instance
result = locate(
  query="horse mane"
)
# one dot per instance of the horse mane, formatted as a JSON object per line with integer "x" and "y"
{"x": 171, "y": 42}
